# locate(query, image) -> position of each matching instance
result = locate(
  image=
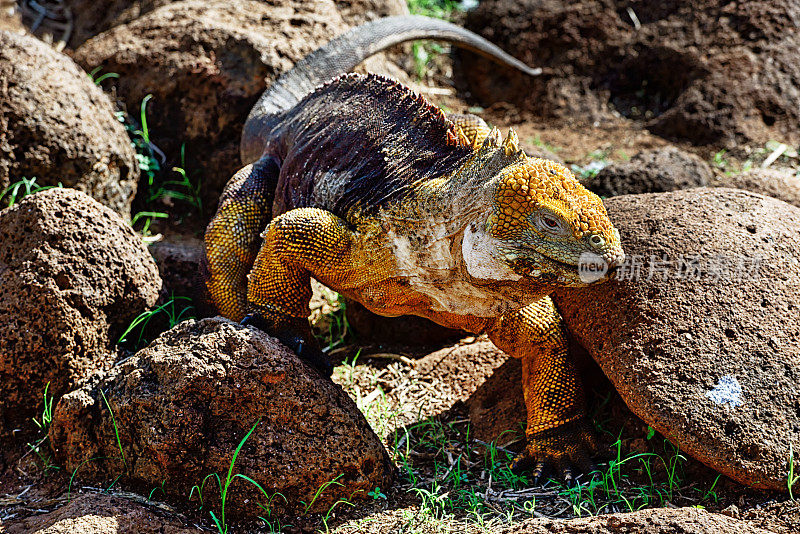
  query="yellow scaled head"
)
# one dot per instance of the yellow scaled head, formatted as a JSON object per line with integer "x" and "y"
{"x": 547, "y": 224}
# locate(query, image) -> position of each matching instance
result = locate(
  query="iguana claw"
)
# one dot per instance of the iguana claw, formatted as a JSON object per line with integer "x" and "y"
{"x": 564, "y": 451}
{"x": 305, "y": 351}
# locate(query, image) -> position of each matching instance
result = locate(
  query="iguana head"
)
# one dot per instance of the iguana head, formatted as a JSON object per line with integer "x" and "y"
{"x": 545, "y": 223}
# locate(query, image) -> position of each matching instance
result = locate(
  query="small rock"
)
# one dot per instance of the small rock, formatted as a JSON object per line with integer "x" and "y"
{"x": 731, "y": 511}
{"x": 72, "y": 273}
{"x": 652, "y": 171}
{"x": 773, "y": 183}
{"x": 183, "y": 405}
{"x": 57, "y": 126}
{"x": 727, "y": 395}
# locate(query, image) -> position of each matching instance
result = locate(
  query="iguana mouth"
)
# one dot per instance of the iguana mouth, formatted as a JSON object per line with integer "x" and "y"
{"x": 533, "y": 268}
{"x": 572, "y": 266}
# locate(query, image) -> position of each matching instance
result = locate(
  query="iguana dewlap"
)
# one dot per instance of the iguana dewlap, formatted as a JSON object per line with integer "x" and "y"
{"x": 365, "y": 186}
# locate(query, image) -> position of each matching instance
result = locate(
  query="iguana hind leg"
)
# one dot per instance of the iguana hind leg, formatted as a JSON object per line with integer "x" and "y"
{"x": 297, "y": 244}
{"x": 558, "y": 436}
{"x": 232, "y": 238}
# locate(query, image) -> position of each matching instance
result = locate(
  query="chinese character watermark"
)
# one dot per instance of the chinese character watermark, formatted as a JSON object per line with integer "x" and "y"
{"x": 693, "y": 268}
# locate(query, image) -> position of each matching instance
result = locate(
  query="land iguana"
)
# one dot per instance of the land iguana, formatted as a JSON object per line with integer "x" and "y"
{"x": 365, "y": 186}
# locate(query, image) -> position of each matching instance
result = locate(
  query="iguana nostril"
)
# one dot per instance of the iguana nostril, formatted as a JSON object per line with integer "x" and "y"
{"x": 597, "y": 241}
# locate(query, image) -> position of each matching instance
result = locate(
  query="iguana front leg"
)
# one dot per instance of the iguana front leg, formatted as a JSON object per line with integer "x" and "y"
{"x": 557, "y": 433}
{"x": 232, "y": 237}
{"x": 296, "y": 245}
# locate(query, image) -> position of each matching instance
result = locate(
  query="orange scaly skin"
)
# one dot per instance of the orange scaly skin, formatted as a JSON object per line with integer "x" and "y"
{"x": 449, "y": 222}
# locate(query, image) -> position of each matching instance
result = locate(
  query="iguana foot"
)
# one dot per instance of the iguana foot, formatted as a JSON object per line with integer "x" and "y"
{"x": 564, "y": 451}
{"x": 305, "y": 350}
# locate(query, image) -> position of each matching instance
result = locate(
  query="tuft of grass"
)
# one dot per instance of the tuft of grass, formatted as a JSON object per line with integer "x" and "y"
{"x": 182, "y": 189}
{"x": 598, "y": 160}
{"x": 150, "y": 159}
{"x": 116, "y": 429}
{"x": 323, "y": 487}
{"x": 47, "y": 411}
{"x": 377, "y": 494}
{"x": 157, "y": 488}
{"x": 23, "y": 187}
{"x": 75, "y": 472}
{"x": 43, "y": 424}
{"x": 148, "y": 217}
{"x": 537, "y": 141}
{"x": 200, "y": 487}
{"x": 455, "y": 477}
{"x": 440, "y": 9}
{"x": 168, "y": 310}
{"x": 329, "y": 513}
{"x": 771, "y": 152}
{"x": 718, "y": 159}
{"x": 221, "y": 521}
{"x": 338, "y": 328}
{"x": 423, "y": 52}
{"x": 792, "y": 478}
{"x": 98, "y": 78}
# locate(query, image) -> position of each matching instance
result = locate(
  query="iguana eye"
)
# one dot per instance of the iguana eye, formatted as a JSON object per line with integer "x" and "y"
{"x": 548, "y": 223}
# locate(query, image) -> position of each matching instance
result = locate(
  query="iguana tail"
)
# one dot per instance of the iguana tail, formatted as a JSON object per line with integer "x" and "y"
{"x": 343, "y": 53}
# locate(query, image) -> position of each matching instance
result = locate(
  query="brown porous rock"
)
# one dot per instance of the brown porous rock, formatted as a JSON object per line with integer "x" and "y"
{"x": 770, "y": 182}
{"x": 182, "y": 405}
{"x": 58, "y": 127}
{"x": 699, "y": 329}
{"x": 92, "y": 17}
{"x": 72, "y": 273}
{"x": 652, "y": 171}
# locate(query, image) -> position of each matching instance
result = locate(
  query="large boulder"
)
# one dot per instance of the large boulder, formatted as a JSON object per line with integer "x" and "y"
{"x": 652, "y": 171}
{"x": 206, "y": 64}
{"x": 771, "y": 182}
{"x": 72, "y": 273}
{"x": 704, "y": 71}
{"x": 57, "y": 126}
{"x": 699, "y": 330}
{"x": 183, "y": 405}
